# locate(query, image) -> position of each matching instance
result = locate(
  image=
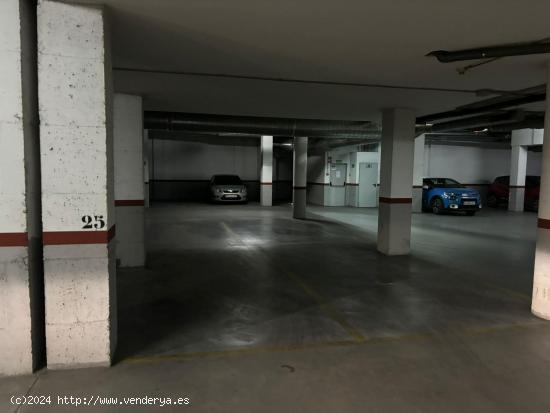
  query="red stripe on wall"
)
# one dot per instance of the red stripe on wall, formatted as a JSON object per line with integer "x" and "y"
{"x": 350, "y": 184}
{"x": 266, "y": 183}
{"x": 129, "y": 202}
{"x": 317, "y": 183}
{"x": 78, "y": 237}
{"x": 387, "y": 200}
{"x": 516, "y": 186}
{"x": 543, "y": 223}
{"x": 14, "y": 239}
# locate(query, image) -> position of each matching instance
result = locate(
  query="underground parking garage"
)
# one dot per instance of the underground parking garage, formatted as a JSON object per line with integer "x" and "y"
{"x": 273, "y": 207}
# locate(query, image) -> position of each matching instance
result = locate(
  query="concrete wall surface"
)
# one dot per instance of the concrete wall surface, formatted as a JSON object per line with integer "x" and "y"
{"x": 21, "y": 283}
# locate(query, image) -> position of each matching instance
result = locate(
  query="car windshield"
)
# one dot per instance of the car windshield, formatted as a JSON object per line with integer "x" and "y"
{"x": 442, "y": 183}
{"x": 226, "y": 180}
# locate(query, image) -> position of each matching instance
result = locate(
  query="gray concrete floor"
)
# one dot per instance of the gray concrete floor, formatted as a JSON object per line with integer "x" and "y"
{"x": 242, "y": 308}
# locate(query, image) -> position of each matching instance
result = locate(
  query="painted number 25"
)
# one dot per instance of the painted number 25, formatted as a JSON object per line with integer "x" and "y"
{"x": 91, "y": 222}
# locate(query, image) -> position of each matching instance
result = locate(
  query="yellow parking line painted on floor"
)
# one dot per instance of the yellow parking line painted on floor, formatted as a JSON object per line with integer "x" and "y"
{"x": 515, "y": 294}
{"x": 327, "y": 307}
{"x": 237, "y": 351}
{"x": 230, "y": 231}
{"x": 475, "y": 331}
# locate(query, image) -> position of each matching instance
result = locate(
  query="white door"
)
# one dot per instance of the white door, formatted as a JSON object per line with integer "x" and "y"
{"x": 337, "y": 188}
{"x": 368, "y": 184}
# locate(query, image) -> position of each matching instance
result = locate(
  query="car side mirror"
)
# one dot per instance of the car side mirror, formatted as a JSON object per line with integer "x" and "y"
{"x": 425, "y": 187}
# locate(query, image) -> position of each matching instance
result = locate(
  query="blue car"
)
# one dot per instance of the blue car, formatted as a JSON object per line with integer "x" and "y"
{"x": 443, "y": 194}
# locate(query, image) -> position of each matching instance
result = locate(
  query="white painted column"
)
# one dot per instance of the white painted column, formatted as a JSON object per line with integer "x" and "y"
{"x": 541, "y": 280}
{"x": 75, "y": 96}
{"x": 396, "y": 179}
{"x": 21, "y": 303}
{"x": 518, "y": 170}
{"x": 129, "y": 185}
{"x": 300, "y": 177}
{"x": 418, "y": 172}
{"x": 266, "y": 178}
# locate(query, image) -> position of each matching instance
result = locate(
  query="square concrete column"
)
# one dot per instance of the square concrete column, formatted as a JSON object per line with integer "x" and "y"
{"x": 418, "y": 172}
{"x": 129, "y": 185}
{"x": 396, "y": 179}
{"x": 266, "y": 179}
{"x": 74, "y": 74}
{"x": 541, "y": 280}
{"x": 300, "y": 178}
{"x": 21, "y": 284}
{"x": 518, "y": 170}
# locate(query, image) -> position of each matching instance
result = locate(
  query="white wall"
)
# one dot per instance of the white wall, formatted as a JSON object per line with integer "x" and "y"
{"x": 199, "y": 161}
{"x": 534, "y": 163}
{"x": 472, "y": 165}
{"x": 467, "y": 165}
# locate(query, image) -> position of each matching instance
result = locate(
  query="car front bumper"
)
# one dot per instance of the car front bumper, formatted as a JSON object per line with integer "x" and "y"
{"x": 230, "y": 198}
{"x": 463, "y": 205}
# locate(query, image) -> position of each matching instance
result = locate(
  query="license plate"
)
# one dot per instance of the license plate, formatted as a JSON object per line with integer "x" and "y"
{"x": 469, "y": 202}
{"x": 231, "y": 196}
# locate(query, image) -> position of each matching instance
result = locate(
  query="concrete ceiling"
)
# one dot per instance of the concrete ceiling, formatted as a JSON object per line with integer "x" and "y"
{"x": 377, "y": 42}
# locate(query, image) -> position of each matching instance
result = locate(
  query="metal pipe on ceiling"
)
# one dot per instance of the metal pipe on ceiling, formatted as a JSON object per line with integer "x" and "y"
{"x": 480, "y": 107}
{"x": 445, "y": 56}
{"x": 176, "y": 121}
{"x": 482, "y": 121}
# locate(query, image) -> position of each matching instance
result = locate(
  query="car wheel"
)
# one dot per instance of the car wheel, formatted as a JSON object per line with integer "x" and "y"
{"x": 492, "y": 201}
{"x": 437, "y": 206}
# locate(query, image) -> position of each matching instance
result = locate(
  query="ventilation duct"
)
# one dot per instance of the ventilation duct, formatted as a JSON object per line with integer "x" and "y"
{"x": 189, "y": 122}
{"x": 490, "y": 52}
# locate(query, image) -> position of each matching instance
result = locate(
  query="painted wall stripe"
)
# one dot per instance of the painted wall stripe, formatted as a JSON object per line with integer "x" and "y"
{"x": 516, "y": 186}
{"x": 14, "y": 239}
{"x": 266, "y": 183}
{"x": 129, "y": 202}
{"x": 78, "y": 237}
{"x": 543, "y": 223}
{"x": 387, "y": 200}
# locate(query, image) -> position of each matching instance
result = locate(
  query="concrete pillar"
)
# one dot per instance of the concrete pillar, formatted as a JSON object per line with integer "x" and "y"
{"x": 418, "y": 172}
{"x": 129, "y": 184}
{"x": 541, "y": 280}
{"x": 21, "y": 284}
{"x": 266, "y": 179}
{"x": 146, "y": 166}
{"x": 300, "y": 177}
{"x": 74, "y": 74}
{"x": 396, "y": 179}
{"x": 518, "y": 170}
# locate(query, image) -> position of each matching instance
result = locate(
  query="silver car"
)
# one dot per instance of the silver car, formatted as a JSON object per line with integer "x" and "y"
{"x": 228, "y": 188}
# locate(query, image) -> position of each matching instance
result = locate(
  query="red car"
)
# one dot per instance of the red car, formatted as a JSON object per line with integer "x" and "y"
{"x": 498, "y": 191}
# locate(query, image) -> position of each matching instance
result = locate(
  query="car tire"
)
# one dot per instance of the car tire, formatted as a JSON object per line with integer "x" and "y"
{"x": 437, "y": 206}
{"x": 492, "y": 201}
